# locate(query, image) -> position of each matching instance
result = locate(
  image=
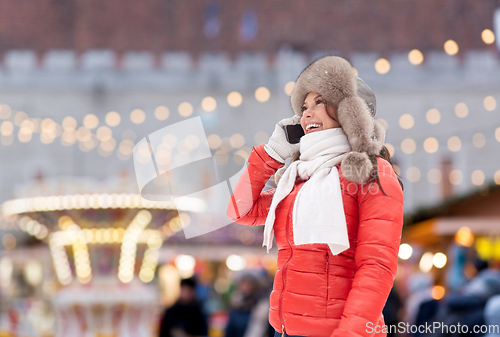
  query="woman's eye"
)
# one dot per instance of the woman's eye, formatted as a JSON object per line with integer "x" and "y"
{"x": 303, "y": 109}
{"x": 320, "y": 102}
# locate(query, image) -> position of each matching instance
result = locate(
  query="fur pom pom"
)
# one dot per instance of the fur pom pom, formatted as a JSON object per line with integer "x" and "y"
{"x": 356, "y": 167}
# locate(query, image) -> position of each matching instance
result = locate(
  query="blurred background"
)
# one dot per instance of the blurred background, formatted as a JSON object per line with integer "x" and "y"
{"x": 81, "y": 82}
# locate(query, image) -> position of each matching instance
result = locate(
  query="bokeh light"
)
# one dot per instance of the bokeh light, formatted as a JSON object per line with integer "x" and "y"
{"x": 262, "y": 94}
{"x": 137, "y": 116}
{"x": 406, "y": 121}
{"x": 451, "y": 47}
{"x": 488, "y": 36}
{"x": 113, "y": 118}
{"x": 234, "y": 99}
{"x": 433, "y": 116}
{"x": 416, "y": 57}
{"x": 162, "y": 113}
{"x": 461, "y": 110}
{"x": 382, "y": 66}
{"x": 185, "y": 109}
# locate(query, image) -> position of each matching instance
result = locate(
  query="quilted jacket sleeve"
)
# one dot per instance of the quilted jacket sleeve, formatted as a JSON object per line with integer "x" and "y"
{"x": 376, "y": 256}
{"x": 248, "y": 204}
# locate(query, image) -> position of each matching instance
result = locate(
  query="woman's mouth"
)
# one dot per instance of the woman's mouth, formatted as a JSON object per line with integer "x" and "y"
{"x": 314, "y": 127}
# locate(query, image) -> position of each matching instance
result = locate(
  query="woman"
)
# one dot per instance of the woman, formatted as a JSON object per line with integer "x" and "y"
{"x": 336, "y": 213}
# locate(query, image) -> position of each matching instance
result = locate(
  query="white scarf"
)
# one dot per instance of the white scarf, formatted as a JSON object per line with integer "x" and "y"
{"x": 318, "y": 211}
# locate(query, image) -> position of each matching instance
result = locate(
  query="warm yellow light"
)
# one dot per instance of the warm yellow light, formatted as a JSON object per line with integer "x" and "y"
{"x": 7, "y": 128}
{"x": 416, "y": 57}
{"x": 456, "y": 177}
{"x": 355, "y": 71}
{"x": 426, "y": 262}
{"x": 104, "y": 133}
{"x": 477, "y": 177}
{"x": 406, "y": 121}
{"x": 69, "y": 123}
{"x": 137, "y": 116}
{"x": 408, "y": 146}
{"x": 5, "y": 111}
{"x": 413, "y": 174}
{"x": 214, "y": 141}
{"x": 433, "y": 116}
{"x": 19, "y": 117}
{"x": 237, "y": 141}
{"x": 209, "y": 104}
{"x": 162, "y": 113}
{"x": 497, "y": 177}
{"x": 438, "y": 292}
{"x": 113, "y": 118}
{"x": 234, "y": 99}
{"x": 490, "y": 103}
{"x": 434, "y": 176}
{"x": 488, "y": 36}
{"x": 405, "y": 251}
{"x": 497, "y": 134}
{"x": 454, "y": 144}
{"x": 289, "y": 88}
{"x": 24, "y": 135}
{"x": 431, "y": 145}
{"x": 262, "y": 94}
{"x": 185, "y": 109}
{"x": 439, "y": 260}
{"x": 451, "y": 47}
{"x": 9, "y": 241}
{"x": 464, "y": 237}
{"x": 83, "y": 134}
{"x": 479, "y": 140}
{"x": 461, "y": 110}
{"x": 236, "y": 262}
{"x": 382, "y": 66}
{"x": 90, "y": 121}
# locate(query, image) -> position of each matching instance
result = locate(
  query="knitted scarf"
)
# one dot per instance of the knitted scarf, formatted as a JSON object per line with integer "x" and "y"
{"x": 318, "y": 211}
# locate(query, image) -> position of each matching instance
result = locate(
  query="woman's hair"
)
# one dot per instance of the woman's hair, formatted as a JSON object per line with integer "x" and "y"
{"x": 384, "y": 154}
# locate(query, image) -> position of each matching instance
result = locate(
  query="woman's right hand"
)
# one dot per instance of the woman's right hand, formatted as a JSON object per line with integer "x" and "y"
{"x": 277, "y": 146}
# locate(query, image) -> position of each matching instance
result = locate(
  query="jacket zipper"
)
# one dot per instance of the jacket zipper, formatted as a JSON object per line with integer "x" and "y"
{"x": 283, "y": 273}
{"x": 327, "y": 281}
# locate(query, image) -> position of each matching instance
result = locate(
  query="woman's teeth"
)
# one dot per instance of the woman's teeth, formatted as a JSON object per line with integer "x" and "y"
{"x": 310, "y": 126}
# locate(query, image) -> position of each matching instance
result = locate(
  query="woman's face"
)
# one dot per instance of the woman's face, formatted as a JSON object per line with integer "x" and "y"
{"x": 316, "y": 114}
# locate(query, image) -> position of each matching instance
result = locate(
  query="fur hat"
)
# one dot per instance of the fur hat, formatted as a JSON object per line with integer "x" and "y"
{"x": 333, "y": 78}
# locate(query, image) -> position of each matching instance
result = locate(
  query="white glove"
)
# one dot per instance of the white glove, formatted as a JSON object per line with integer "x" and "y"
{"x": 277, "y": 146}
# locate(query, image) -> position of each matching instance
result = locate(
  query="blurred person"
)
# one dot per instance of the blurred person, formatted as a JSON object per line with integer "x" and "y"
{"x": 185, "y": 318}
{"x": 392, "y": 309}
{"x": 337, "y": 210}
{"x": 492, "y": 316}
{"x": 420, "y": 291}
{"x": 468, "y": 307}
{"x": 249, "y": 308}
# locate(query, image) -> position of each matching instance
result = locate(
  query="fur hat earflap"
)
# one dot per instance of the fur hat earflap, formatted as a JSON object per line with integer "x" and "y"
{"x": 356, "y": 167}
{"x": 333, "y": 78}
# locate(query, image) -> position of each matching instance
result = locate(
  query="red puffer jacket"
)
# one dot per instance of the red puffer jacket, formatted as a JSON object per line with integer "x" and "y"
{"x": 316, "y": 293}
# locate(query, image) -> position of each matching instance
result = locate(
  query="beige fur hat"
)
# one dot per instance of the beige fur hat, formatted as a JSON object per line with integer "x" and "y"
{"x": 333, "y": 78}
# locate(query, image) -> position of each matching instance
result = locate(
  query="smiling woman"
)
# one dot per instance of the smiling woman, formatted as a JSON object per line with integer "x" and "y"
{"x": 327, "y": 209}
{"x": 318, "y": 114}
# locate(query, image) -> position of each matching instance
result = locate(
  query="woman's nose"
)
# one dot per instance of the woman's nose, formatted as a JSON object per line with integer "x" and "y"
{"x": 307, "y": 113}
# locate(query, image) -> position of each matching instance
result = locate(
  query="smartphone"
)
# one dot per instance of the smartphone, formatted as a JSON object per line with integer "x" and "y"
{"x": 293, "y": 133}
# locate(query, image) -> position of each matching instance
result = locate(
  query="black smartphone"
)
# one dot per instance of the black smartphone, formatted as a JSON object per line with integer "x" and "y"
{"x": 293, "y": 133}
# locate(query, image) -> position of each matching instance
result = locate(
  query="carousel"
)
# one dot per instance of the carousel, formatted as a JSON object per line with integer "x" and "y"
{"x": 104, "y": 244}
